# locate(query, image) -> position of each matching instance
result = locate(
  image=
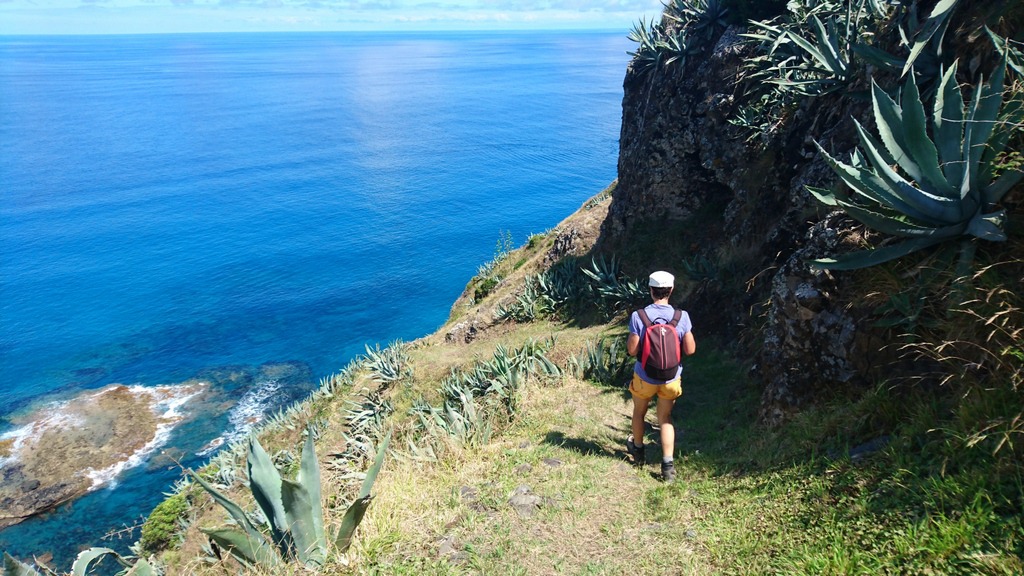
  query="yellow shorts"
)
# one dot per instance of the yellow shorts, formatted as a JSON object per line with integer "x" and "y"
{"x": 645, "y": 391}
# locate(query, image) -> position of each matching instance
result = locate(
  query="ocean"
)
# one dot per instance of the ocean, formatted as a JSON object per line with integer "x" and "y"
{"x": 182, "y": 208}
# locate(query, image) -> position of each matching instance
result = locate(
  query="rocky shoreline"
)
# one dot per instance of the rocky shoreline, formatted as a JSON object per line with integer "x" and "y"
{"x": 70, "y": 448}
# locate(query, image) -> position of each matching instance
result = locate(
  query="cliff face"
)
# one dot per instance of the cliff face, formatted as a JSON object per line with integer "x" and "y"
{"x": 746, "y": 217}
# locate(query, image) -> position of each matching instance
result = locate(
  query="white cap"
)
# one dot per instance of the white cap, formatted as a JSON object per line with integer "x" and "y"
{"x": 662, "y": 279}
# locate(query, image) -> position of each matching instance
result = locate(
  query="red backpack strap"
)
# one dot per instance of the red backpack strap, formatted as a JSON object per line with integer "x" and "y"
{"x": 644, "y": 317}
{"x": 676, "y": 317}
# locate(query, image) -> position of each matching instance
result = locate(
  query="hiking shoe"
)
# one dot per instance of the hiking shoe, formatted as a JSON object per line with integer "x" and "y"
{"x": 668, "y": 471}
{"x": 637, "y": 452}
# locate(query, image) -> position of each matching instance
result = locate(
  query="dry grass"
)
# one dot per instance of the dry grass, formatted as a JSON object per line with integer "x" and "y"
{"x": 746, "y": 500}
{"x": 432, "y": 359}
{"x": 596, "y": 514}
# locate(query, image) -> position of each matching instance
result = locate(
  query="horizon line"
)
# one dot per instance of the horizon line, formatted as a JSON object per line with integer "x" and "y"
{"x": 348, "y": 31}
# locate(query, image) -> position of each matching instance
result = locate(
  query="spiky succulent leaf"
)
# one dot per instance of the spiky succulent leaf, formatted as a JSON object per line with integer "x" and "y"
{"x": 934, "y": 208}
{"x": 984, "y": 120}
{"x": 141, "y": 568}
{"x": 87, "y": 557}
{"x": 891, "y": 222}
{"x": 265, "y": 484}
{"x": 814, "y": 51}
{"x": 246, "y": 550}
{"x": 298, "y": 506}
{"x": 236, "y": 512}
{"x": 15, "y": 567}
{"x": 353, "y": 516}
{"x": 309, "y": 478}
{"x": 1014, "y": 57}
{"x": 966, "y": 147}
{"x": 996, "y": 190}
{"x": 936, "y": 24}
{"x": 988, "y": 226}
{"x": 887, "y": 114}
{"x": 878, "y": 57}
{"x": 824, "y": 195}
{"x": 875, "y": 256}
{"x": 920, "y": 147}
{"x": 868, "y": 185}
{"x": 828, "y": 43}
{"x": 948, "y": 120}
{"x": 378, "y": 461}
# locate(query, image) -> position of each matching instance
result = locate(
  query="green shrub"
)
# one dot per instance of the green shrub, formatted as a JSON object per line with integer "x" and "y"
{"x": 159, "y": 530}
{"x": 484, "y": 288}
{"x": 535, "y": 239}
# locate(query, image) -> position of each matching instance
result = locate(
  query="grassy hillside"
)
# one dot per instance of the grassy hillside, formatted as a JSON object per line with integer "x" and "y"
{"x": 507, "y": 426}
{"x": 537, "y": 482}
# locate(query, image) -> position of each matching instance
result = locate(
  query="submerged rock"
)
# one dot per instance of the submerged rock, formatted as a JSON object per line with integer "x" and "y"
{"x": 69, "y": 448}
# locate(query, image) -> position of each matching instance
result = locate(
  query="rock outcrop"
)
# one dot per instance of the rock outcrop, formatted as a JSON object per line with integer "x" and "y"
{"x": 67, "y": 449}
{"x": 746, "y": 211}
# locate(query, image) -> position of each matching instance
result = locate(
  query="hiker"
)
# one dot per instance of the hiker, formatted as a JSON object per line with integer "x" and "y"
{"x": 652, "y": 341}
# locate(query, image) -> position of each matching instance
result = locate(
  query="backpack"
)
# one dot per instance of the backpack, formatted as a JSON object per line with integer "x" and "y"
{"x": 661, "y": 353}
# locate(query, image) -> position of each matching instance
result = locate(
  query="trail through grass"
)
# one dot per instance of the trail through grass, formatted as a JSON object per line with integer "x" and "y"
{"x": 587, "y": 511}
{"x": 746, "y": 500}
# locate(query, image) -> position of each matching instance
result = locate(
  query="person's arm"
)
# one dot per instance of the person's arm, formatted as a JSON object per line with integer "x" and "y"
{"x": 686, "y": 342}
{"x": 635, "y": 327}
{"x": 633, "y": 344}
{"x": 689, "y": 345}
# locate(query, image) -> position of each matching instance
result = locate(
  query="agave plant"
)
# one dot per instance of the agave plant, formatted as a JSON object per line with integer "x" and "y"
{"x": 656, "y": 46}
{"x": 531, "y": 358}
{"x": 947, "y": 189}
{"x": 457, "y": 418}
{"x": 390, "y": 364}
{"x": 923, "y": 43}
{"x": 704, "y": 18}
{"x": 364, "y": 421}
{"x": 529, "y": 304}
{"x": 562, "y": 284}
{"x": 344, "y": 377}
{"x": 292, "y": 508}
{"x": 610, "y": 289}
{"x": 13, "y": 567}
{"x": 813, "y": 54}
{"x": 699, "y": 268}
{"x": 604, "y": 362}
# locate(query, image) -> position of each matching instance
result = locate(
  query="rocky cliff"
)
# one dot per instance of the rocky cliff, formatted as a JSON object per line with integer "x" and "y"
{"x": 737, "y": 221}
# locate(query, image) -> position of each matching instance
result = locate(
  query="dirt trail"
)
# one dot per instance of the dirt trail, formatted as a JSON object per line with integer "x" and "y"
{"x": 554, "y": 494}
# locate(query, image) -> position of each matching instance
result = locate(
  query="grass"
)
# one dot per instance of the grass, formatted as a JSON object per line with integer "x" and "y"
{"x": 574, "y": 465}
{"x": 930, "y": 496}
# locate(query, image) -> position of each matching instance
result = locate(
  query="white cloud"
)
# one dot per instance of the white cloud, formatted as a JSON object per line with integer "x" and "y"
{"x": 145, "y": 16}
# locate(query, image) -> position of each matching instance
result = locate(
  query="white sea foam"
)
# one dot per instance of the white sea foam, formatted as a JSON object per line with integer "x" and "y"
{"x": 248, "y": 413}
{"x": 166, "y": 402}
{"x": 55, "y": 417}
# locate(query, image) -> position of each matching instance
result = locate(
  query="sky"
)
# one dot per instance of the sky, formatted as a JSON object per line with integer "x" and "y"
{"x": 170, "y": 16}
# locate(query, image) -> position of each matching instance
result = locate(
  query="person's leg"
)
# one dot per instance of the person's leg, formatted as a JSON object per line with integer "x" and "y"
{"x": 668, "y": 438}
{"x": 639, "y": 414}
{"x": 641, "y": 400}
{"x": 668, "y": 431}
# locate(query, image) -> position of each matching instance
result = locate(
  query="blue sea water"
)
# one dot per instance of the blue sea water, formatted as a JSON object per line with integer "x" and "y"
{"x": 176, "y": 205}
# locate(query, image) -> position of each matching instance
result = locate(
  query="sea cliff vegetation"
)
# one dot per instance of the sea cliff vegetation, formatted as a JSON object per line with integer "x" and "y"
{"x": 844, "y": 219}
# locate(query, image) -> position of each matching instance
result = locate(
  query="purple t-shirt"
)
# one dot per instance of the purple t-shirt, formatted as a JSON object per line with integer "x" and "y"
{"x": 654, "y": 312}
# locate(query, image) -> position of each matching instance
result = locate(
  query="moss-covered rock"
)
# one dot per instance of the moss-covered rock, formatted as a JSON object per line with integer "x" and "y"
{"x": 159, "y": 530}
